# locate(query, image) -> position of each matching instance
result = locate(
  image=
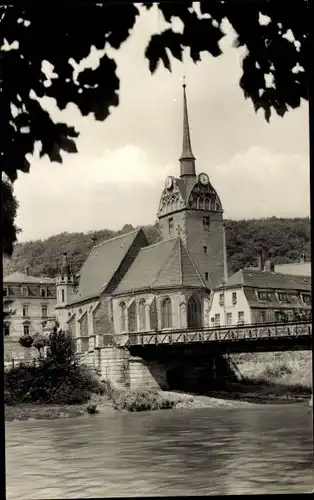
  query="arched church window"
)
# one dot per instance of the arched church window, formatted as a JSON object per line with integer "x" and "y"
{"x": 206, "y": 204}
{"x": 212, "y": 204}
{"x": 217, "y": 206}
{"x": 141, "y": 314}
{"x": 194, "y": 202}
{"x": 166, "y": 313}
{"x": 122, "y": 307}
{"x": 194, "y": 313}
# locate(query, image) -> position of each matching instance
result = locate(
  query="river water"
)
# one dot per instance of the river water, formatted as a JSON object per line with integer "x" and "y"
{"x": 205, "y": 451}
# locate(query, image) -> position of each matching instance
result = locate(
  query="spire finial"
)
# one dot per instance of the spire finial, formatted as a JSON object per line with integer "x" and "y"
{"x": 187, "y": 158}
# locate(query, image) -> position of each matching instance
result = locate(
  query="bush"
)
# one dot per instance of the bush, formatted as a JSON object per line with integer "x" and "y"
{"x": 56, "y": 380}
{"x": 26, "y": 341}
{"x": 138, "y": 400}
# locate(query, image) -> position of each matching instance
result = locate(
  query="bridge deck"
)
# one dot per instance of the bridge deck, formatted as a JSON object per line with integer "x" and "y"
{"x": 257, "y": 332}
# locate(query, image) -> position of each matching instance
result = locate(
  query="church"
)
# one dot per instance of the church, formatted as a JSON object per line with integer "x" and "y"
{"x": 127, "y": 285}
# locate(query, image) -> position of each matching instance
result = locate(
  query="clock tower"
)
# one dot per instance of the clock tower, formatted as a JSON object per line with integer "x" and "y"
{"x": 191, "y": 208}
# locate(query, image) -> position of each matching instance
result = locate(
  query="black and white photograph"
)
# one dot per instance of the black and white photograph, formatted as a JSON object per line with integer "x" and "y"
{"x": 156, "y": 249}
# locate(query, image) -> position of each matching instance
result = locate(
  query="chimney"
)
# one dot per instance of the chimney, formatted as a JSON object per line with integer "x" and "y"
{"x": 269, "y": 266}
{"x": 302, "y": 258}
{"x": 26, "y": 270}
{"x": 260, "y": 260}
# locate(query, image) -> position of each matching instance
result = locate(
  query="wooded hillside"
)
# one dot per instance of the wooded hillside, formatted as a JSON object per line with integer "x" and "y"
{"x": 283, "y": 239}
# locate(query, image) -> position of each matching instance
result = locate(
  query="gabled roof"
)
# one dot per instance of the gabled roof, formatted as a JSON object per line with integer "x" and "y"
{"x": 265, "y": 279}
{"x": 21, "y": 278}
{"x": 165, "y": 264}
{"x": 102, "y": 264}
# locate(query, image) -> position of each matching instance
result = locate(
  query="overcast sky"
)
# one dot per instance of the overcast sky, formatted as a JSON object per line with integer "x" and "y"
{"x": 258, "y": 169}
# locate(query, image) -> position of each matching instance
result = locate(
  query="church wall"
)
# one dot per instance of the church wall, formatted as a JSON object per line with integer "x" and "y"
{"x": 197, "y": 238}
{"x": 103, "y": 324}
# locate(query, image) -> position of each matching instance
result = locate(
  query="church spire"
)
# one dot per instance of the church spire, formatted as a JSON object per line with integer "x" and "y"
{"x": 187, "y": 159}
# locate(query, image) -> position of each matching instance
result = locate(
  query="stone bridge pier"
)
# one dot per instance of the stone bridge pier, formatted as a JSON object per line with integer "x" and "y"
{"x": 176, "y": 370}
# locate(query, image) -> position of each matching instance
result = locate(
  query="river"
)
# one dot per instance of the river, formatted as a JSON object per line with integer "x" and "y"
{"x": 205, "y": 451}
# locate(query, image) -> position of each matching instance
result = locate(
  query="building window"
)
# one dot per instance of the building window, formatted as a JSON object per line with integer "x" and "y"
{"x": 206, "y": 222}
{"x": 25, "y": 310}
{"x": 240, "y": 317}
{"x": 206, "y": 276}
{"x": 24, "y": 291}
{"x": 307, "y": 299}
{"x": 26, "y": 329}
{"x": 217, "y": 320}
{"x": 221, "y": 299}
{"x": 141, "y": 314}
{"x": 229, "y": 319}
{"x": 170, "y": 226}
{"x": 278, "y": 316}
{"x": 206, "y": 204}
{"x": 5, "y": 292}
{"x": 234, "y": 298}
{"x": 44, "y": 311}
{"x": 290, "y": 315}
{"x": 194, "y": 313}
{"x": 282, "y": 297}
{"x": 205, "y": 250}
{"x": 62, "y": 295}
{"x": 166, "y": 313}
{"x": 264, "y": 295}
{"x": 122, "y": 317}
{"x": 262, "y": 316}
{"x": 6, "y": 329}
{"x": 43, "y": 292}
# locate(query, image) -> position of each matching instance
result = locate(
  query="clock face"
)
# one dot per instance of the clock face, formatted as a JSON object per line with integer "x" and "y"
{"x": 203, "y": 178}
{"x": 169, "y": 182}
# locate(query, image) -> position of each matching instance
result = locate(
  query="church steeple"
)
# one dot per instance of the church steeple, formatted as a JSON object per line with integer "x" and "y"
{"x": 187, "y": 159}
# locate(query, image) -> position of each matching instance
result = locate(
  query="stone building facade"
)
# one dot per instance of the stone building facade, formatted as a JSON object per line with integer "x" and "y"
{"x": 32, "y": 301}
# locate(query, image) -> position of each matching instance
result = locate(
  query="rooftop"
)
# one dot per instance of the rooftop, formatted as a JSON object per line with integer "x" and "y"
{"x": 165, "y": 264}
{"x": 266, "y": 279}
{"x": 25, "y": 279}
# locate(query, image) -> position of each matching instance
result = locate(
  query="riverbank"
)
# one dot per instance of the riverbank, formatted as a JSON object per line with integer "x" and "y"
{"x": 238, "y": 398}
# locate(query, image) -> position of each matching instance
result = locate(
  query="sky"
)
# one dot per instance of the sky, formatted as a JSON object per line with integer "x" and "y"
{"x": 258, "y": 169}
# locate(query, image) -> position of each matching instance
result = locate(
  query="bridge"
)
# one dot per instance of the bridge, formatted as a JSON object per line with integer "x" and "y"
{"x": 243, "y": 338}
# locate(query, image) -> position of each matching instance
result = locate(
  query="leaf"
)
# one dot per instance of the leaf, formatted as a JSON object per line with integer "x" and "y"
{"x": 156, "y": 49}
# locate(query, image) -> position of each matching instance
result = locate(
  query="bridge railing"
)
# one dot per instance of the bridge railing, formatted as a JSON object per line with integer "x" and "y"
{"x": 220, "y": 334}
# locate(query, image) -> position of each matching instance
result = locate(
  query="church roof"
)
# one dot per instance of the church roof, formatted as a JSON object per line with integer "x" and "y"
{"x": 102, "y": 264}
{"x": 165, "y": 264}
{"x": 265, "y": 279}
{"x": 26, "y": 279}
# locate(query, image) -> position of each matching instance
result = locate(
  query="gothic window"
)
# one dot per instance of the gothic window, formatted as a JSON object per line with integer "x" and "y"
{"x": 194, "y": 202}
{"x": 212, "y": 204}
{"x": 166, "y": 313}
{"x": 206, "y": 204}
{"x": 122, "y": 307}
{"x": 170, "y": 226}
{"x": 132, "y": 317}
{"x": 217, "y": 206}
{"x": 194, "y": 313}
{"x": 206, "y": 223}
{"x": 141, "y": 314}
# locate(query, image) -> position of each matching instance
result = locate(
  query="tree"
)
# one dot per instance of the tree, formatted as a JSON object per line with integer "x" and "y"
{"x": 64, "y": 38}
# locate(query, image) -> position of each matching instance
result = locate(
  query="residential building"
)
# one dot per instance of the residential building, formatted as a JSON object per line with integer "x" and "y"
{"x": 260, "y": 296}
{"x": 32, "y": 301}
